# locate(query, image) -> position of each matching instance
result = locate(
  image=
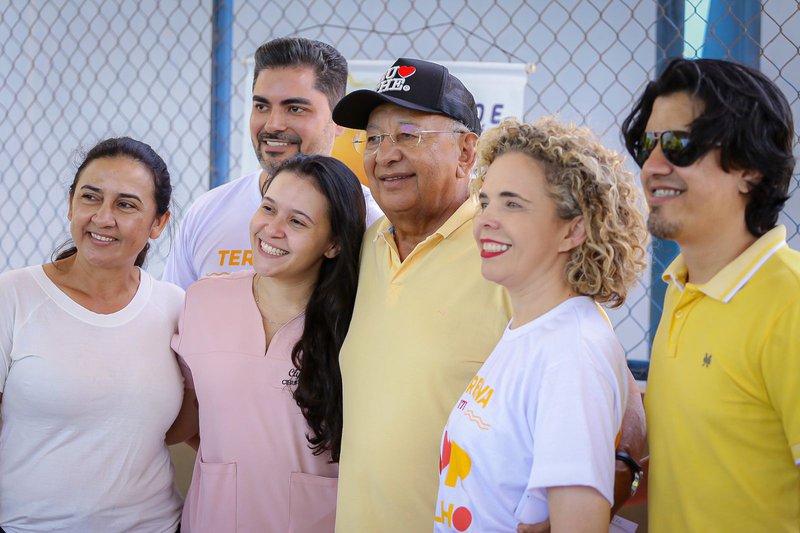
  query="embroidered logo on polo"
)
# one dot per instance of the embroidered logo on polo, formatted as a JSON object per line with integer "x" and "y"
{"x": 395, "y": 79}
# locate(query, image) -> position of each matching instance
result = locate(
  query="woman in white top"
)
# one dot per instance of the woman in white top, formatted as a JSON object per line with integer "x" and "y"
{"x": 533, "y": 435}
{"x": 89, "y": 385}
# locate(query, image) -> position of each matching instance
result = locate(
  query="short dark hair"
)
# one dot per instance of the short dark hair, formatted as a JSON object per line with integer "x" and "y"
{"x": 744, "y": 114}
{"x": 131, "y": 149}
{"x": 330, "y": 307}
{"x": 329, "y": 66}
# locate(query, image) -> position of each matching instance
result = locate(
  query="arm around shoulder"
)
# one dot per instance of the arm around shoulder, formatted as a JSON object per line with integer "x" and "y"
{"x": 633, "y": 437}
{"x": 187, "y": 423}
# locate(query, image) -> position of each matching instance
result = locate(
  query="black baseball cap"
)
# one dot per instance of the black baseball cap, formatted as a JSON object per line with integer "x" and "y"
{"x": 413, "y": 84}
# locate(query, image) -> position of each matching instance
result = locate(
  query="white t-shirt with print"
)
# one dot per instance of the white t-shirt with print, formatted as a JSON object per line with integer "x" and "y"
{"x": 543, "y": 411}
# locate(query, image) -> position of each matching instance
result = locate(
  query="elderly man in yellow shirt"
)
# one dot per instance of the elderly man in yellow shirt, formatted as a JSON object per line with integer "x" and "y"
{"x": 425, "y": 319}
{"x": 714, "y": 140}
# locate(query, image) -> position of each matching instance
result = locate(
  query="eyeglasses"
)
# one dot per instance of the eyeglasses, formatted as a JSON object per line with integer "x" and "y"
{"x": 407, "y": 137}
{"x": 674, "y": 143}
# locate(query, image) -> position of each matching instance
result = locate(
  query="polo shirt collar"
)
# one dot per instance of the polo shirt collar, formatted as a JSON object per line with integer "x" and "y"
{"x": 735, "y": 275}
{"x": 465, "y": 213}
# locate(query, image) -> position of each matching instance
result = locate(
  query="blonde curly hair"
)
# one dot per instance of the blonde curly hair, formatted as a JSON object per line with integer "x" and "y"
{"x": 584, "y": 178}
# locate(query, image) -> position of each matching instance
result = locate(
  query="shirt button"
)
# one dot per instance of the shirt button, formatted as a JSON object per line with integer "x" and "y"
{"x": 679, "y": 314}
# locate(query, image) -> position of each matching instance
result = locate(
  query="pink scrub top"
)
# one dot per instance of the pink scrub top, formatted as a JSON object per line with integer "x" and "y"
{"x": 254, "y": 470}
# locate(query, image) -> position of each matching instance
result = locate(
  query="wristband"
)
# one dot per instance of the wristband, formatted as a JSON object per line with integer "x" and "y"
{"x": 633, "y": 466}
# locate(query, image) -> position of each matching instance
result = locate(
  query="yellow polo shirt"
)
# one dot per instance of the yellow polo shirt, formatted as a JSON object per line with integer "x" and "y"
{"x": 723, "y": 397}
{"x": 421, "y": 329}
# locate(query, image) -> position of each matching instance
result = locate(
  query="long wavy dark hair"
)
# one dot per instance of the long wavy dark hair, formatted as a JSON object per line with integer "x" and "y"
{"x": 330, "y": 307}
{"x": 745, "y": 114}
{"x": 131, "y": 149}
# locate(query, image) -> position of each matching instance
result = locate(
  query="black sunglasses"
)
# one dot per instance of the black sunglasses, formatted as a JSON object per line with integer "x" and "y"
{"x": 674, "y": 144}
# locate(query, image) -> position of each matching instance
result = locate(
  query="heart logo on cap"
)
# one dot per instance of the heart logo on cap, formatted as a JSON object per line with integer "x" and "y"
{"x": 406, "y": 71}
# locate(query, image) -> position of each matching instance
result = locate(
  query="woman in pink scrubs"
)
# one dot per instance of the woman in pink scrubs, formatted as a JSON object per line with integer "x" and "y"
{"x": 261, "y": 350}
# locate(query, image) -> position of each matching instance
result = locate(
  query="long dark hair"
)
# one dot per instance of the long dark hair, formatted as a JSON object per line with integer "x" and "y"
{"x": 745, "y": 114}
{"x": 138, "y": 151}
{"x": 330, "y": 307}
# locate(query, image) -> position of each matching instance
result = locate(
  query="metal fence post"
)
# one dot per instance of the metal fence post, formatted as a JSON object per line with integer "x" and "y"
{"x": 733, "y": 31}
{"x": 221, "y": 55}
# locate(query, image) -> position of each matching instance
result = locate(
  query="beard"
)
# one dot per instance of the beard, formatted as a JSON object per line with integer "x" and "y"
{"x": 269, "y": 162}
{"x": 321, "y": 143}
{"x": 660, "y": 228}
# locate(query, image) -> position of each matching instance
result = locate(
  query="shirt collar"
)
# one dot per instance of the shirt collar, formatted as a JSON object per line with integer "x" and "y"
{"x": 735, "y": 275}
{"x": 465, "y": 213}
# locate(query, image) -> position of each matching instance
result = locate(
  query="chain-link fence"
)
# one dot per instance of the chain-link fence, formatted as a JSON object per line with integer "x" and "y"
{"x": 79, "y": 71}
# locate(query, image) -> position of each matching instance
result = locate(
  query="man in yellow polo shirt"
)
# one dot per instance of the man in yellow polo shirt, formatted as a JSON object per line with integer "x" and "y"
{"x": 714, "y": 140}
{"x": 425, "y": 319}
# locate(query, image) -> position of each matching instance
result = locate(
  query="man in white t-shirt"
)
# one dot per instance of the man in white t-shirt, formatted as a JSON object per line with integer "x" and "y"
{"x": 296, "y": 84}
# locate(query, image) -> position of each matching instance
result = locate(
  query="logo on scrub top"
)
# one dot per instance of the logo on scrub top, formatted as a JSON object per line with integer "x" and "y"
{"x": 293, "y": 377}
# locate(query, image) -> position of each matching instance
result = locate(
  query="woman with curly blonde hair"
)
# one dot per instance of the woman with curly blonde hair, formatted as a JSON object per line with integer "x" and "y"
{"x": 532, "y": 437}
